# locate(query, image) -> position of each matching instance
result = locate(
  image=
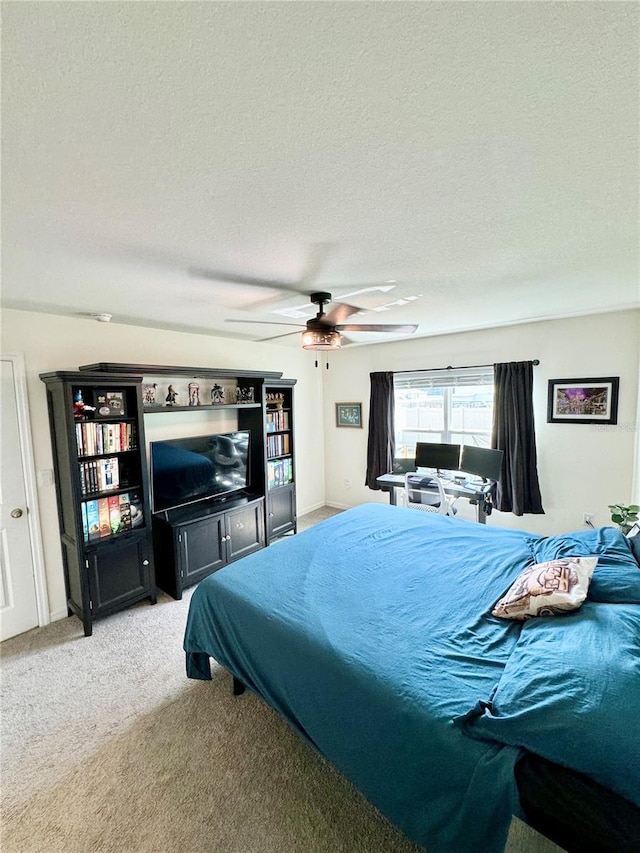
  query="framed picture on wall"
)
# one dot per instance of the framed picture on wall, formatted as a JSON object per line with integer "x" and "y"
{"x": 349, "y": 414}
{"x": 583, "y": 401}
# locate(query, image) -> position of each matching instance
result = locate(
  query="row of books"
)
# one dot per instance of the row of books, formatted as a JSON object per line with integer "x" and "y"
{"x": 99, "y": 475}
{"x": 279, "y": 472}
{"x": 279, "y": 444}
{"x": 94, "y": 438}
{"x": 112, "y": 515}
{"x": 277, "y": 421}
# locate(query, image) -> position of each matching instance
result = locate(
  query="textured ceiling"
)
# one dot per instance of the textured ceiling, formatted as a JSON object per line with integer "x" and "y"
{"x": 456, "y": 165}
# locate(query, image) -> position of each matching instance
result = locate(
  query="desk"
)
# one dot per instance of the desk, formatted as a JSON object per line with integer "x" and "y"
{"x": 478, "y": 496}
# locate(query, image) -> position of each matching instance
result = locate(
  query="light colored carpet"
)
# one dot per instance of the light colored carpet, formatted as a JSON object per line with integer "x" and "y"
{"x": 107, "y": 746}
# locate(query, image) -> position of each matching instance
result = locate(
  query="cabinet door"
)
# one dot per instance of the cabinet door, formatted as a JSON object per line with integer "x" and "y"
{"x": 118, "y": 573}
{"x": 281, "y": 511}
{"x": 245, "y": 530}
{"x": 201, "y": 547}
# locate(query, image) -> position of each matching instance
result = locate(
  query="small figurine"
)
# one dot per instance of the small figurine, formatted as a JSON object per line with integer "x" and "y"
{"x": 149, "y": 394}
{"x": 171, "y": 397}
{"x": 217, "y": 394}
{"x": 80, "y": 409}
{"x": 194, "y": 394}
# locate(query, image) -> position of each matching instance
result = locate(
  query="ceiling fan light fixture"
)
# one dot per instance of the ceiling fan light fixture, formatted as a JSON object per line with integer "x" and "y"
{"x": 321, "y": 339}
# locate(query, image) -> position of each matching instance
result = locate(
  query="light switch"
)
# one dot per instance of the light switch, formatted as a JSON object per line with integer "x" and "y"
{"x": 45, "y": 477}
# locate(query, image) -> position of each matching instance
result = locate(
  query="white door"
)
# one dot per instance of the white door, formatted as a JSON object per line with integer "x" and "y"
{"x": 18, "y": 600}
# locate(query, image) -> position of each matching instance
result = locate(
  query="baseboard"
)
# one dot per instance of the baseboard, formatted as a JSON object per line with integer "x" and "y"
{"x": 56, "y": 615}
{"x": 335, "y": 505}
{"x": 309, "y": 509}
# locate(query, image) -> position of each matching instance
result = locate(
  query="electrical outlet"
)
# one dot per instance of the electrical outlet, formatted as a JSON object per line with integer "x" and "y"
{"x": 347, "y": 484}
{"x": 587, "y": 519}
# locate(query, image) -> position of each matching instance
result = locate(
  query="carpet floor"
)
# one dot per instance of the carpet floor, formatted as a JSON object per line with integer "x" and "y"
{"x": 107, "y": 746}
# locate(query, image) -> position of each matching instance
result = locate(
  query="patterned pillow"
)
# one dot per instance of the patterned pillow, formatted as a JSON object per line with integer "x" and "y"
{"x": 547, "y": 589}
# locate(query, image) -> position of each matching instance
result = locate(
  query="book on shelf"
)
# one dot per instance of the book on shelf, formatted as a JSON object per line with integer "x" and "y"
{"x": 93, "y": 520}
{"x": 278, "y": 444}
{"x": 103, "y": 517}
{"x": 136, "y": 509}
{"x": 85, "y": 522}
{"x": 99, "y": 475}
{"x": 125, "y": 511}
{"x": 115, "y": 518}
{"x": 94, "y": 439}
{"x": 279, "y": 472}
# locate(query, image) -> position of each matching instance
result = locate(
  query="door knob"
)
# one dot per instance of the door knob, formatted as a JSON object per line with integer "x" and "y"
{"x": 16, "y": 513}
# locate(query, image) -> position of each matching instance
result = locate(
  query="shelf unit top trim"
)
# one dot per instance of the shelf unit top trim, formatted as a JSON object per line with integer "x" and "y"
{"x": 177, "y": 370}
{"x": 80, "y": 378}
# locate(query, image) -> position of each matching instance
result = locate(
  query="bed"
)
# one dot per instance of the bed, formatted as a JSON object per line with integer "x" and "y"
{"x": 372, "y": 634}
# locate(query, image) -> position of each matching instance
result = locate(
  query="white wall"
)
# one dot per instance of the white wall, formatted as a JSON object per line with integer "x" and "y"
{"x": 59, "y": 343}
{"x": 582, "y": 468}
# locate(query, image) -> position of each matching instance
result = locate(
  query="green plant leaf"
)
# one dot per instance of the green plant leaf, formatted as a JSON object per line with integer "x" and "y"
{"x": 617, "y": 518}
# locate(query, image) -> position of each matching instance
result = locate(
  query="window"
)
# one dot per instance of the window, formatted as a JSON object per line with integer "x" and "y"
{"x": 448, "y": 406}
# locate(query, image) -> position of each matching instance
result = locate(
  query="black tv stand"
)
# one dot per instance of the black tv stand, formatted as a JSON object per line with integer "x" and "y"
{"x": 195, "y": 540}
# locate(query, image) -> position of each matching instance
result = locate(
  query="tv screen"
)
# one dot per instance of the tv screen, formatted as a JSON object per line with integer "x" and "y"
{"x": 443, "y": 457}
{"x": 481, "y": 461}
{"x": 185, "y": 470}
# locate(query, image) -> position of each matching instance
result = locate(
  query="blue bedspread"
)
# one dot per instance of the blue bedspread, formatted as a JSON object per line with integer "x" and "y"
{"x": 371, "y": 633}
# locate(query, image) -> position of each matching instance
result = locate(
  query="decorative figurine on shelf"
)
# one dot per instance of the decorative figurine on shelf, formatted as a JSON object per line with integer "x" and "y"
{"x": 80, "y": 410}
{"x": 149, "y": 394}
{"x": 244, "y": 395}
{"x": 194, "y": 394}
{"x": 275, "y": 400}
{"x": 217, "y": 394}
{"x": 171, "y": 397}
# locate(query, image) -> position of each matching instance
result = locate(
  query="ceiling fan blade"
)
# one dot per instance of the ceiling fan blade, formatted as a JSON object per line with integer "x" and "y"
{"x": 266, "y": 323}
{"x": 275, "y": 337}
{"x": 233, "y": 278}
{"x": 372, "y": 327}
{"x": 345, "y": 341}
{"x": 340, "y": 311}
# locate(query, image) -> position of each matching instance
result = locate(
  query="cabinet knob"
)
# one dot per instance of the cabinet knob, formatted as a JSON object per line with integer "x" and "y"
{"x": 16, "y": 513}
{"x": 145, "y": 562}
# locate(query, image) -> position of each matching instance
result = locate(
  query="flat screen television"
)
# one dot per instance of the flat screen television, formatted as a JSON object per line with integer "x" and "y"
{"x": 186, "y": 470}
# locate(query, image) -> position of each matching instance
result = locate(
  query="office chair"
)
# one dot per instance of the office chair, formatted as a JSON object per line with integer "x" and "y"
{"x": 426, "y": 494}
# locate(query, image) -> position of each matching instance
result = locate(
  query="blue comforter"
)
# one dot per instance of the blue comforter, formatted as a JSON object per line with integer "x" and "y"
{"x": 372, "y": 634}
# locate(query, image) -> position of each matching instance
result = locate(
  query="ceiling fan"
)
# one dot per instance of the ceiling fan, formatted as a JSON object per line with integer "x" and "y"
{"x": 323, "y": 332}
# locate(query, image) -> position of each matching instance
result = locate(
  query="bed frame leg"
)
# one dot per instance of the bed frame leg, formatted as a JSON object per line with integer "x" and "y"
{"x": 238, "y": 687}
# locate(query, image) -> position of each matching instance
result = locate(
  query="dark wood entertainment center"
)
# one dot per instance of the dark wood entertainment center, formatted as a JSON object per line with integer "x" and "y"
{"x": 111, "y": 562}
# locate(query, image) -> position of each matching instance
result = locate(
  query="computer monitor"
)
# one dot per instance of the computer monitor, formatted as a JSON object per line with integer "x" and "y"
{"x": 481, "y": 461}
{"x": 442, "y": 457}
{"x": 403, "y": 465}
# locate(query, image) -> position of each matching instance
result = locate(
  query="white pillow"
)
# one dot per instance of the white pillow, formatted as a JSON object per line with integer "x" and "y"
{"x": 547, "y": 589}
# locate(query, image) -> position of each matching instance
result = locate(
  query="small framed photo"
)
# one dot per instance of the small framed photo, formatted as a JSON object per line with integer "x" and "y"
{"x": 110, "y": 404}
{"x": 583, "y": 401}
{"x": 349, "y": 415}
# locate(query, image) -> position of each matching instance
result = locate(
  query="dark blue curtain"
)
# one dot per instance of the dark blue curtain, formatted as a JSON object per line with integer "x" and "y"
{"x": 518, "y": 490}
{"x": 381, "y": 446}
